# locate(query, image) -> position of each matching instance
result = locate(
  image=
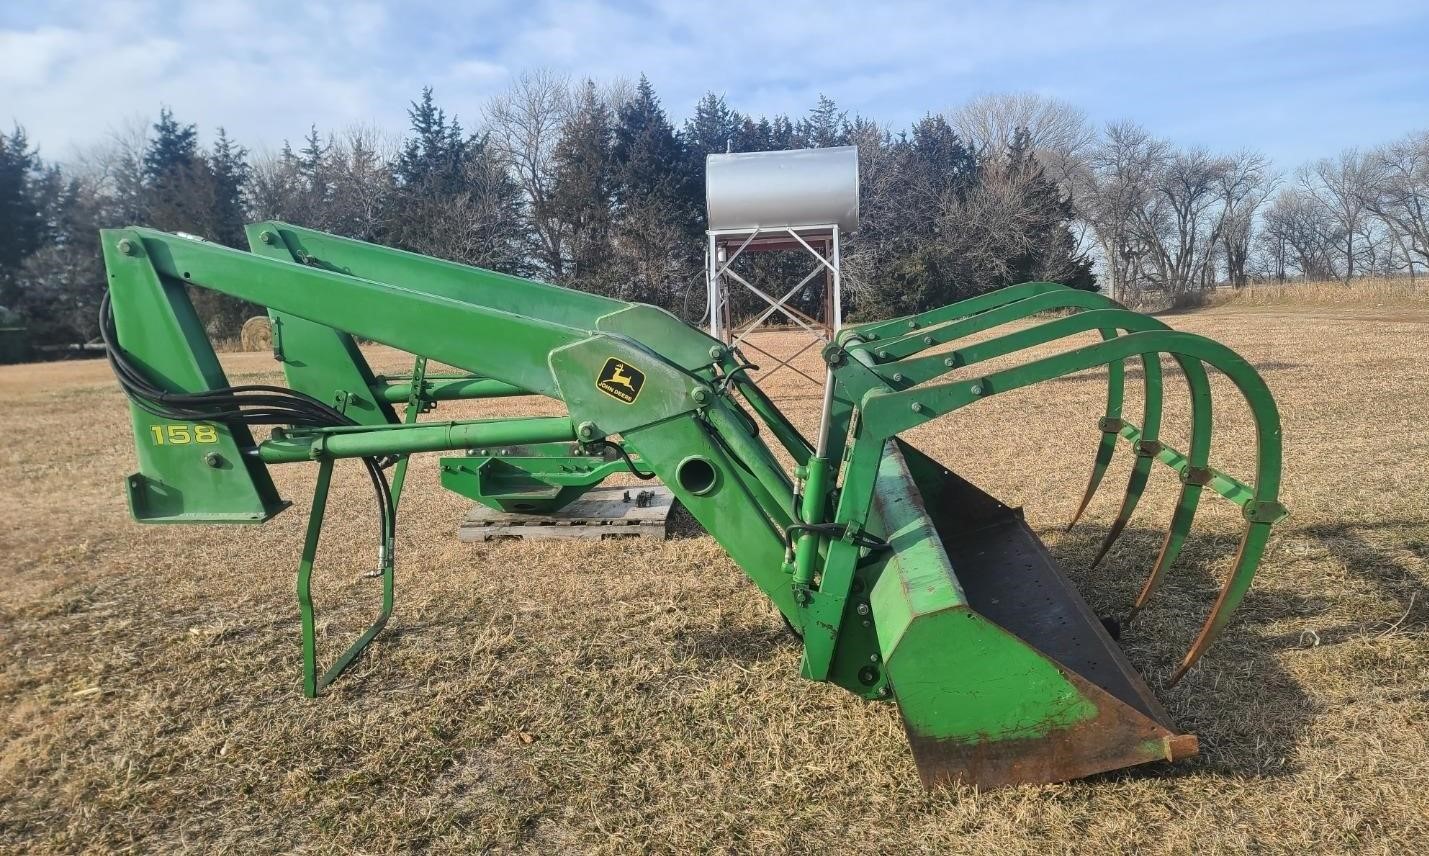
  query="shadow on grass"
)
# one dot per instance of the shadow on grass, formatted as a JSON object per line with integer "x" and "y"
{"x": 1393, "y": 574}
{"x": 742, "y": 644}
{"x": 1248, "y": 711}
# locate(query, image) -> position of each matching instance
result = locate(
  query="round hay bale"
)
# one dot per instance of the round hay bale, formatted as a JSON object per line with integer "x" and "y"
{"x": 257, "y": 334}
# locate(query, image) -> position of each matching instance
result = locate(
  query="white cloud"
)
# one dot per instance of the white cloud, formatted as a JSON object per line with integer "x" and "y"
{"x": 73, "y": 69}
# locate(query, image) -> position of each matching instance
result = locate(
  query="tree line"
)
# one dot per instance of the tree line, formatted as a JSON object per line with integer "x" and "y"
{"x": 596, "y": 187}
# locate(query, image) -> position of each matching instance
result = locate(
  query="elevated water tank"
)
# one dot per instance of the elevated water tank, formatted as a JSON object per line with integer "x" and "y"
{"x": 804, "y": 187}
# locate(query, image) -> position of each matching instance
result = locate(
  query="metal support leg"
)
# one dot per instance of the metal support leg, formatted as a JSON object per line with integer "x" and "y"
{"x": 416, "y": 403}
{"x": 312, "y": 682}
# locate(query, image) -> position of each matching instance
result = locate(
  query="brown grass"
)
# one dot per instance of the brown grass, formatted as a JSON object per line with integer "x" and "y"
{"x": 617, "y": 697}
{"x": 1366, "y": 294}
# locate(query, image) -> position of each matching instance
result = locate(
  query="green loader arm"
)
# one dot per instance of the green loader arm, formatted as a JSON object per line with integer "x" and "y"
{"x": 904, "y": 581}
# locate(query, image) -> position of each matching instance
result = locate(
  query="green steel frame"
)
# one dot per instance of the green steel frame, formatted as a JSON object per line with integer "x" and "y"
{"x": 838, "y": 545}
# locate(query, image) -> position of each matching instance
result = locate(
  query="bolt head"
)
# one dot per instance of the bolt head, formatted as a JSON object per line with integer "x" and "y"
{"x": 862, "y": 609}
{"x": 949, "y": 362}
{"x": 213, "y": 459}
{"x": 898, "y": 377}
{"x": 976, "y": 389}
{"x": 912, "y": 325}
{"x": 700, "y": 395}
{"x": 927, "y": 340}
{"x": 267, "y": 237}
{"x": 126, "y": 246}
{"x": 716, "y": 352}
{"x": 917, "y": 408}
{"x": 873, "y": 658}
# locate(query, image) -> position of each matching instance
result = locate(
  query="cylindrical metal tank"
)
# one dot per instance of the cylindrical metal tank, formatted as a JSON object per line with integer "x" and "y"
{"x": 804, "y": 187}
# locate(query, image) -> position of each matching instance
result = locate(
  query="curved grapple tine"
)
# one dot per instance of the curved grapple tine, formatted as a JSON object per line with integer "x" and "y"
{"x": 1106, "y": 447}
{"x": 1252, "y": 548}
{"x": 1146, "y": 450}
{"x": 1171, "y": 547}
{"x": 1110, "y": 426}
{"x": 1193, "y": 479}
{"x": 1135, "y": 487}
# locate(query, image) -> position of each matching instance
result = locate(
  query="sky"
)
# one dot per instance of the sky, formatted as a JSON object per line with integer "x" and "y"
{"x": 1295, "y": 80}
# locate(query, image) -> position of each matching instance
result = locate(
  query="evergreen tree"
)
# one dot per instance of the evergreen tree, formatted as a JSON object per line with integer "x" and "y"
{"x": 311, "y": 163}
{"x": 1051, "y": 249}
{"x": 173, "y": 149}
{"x": 713, "y": 127}
{"x": 647, "y": 153}
{"x": 940, "y": 164}
{"x": 908, "y": 247}
{"x": 62, "y": 282}
{"x": 454, "y": 196}
{"x": 228, "y": 162}
{"x": 752, "y": 136}
{"x": 582, "y": 191}
{"x": 657, "y": 215}
{"x": 22, "y": 221}
{"x": 782, "y": 134}
{"x": 710, "y": 131}
{"x": 178, "y": 190}
{"x": 826, "y": 126}
{"x": 434, "y": 156}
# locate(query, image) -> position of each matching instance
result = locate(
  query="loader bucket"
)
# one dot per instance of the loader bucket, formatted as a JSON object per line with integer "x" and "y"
{"x": 901, "y": 579}
{"x": 1002, "y": 673}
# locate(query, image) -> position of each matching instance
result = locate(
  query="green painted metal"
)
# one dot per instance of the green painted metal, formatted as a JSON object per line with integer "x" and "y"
{"x": 416, "y": 403}
{"x": 885, "y": 414}
{"x": 952, "y": 312}
{"x": 487, "y": 289}
{"x": 528, "y": 479}
{"x": 188, "y": 473}
{"x": 905, "y": 581}
{"x": 287, "y": 447}
{"x": 313, "y": 682}
{"x": 460, "y": 389}
{"x": 322, "y": 361}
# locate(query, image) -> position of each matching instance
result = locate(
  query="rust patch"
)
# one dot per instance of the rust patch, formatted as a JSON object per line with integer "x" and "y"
{"x": 1118, "y": 736}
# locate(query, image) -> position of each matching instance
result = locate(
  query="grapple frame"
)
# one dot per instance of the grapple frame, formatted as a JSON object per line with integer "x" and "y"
{"x": 905, "y": 581}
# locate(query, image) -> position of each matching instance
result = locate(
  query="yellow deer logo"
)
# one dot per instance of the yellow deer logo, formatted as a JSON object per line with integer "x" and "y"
{"x": 620, "y": 378}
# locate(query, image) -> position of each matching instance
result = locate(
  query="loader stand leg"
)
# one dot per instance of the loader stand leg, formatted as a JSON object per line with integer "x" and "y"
{"x": 312, "y": 682}
{"x": 416, "y": 403}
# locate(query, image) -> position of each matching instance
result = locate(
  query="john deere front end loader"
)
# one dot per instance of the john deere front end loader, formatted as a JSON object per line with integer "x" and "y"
{"x": 905, "y": 582}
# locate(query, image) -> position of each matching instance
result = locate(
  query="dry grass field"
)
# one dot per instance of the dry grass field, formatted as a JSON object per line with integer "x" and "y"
{"x": 627, "y": 697}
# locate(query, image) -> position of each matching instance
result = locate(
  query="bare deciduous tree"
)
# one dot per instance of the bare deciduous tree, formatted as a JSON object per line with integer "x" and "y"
{"x": 1181, "y": 223}
{"x": 1398, "y": 193}
{"x": 1118, "y": 189}
{"x": 1059, "y": 132}
{"x": 1299, "y": 234}
{"x": 340, "y": 186}
{"x": 1339, "y": 186}
{"x": 525, "y": 124}
{"x": 1245, "y": 184}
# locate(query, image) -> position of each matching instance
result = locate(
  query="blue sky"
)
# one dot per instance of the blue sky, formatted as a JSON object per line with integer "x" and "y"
{"x": 1296, "y": 80}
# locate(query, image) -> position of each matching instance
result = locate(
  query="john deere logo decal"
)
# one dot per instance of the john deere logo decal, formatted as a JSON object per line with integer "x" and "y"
{"x": 620, "y": 380}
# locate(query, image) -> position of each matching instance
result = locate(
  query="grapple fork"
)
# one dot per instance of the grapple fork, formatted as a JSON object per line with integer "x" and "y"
{"x": 1078, "y": 706}
{"x": 905, "y": 581}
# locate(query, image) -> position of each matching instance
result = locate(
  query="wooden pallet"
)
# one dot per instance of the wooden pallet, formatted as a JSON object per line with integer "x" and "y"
{"x": 602, "y": 513}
